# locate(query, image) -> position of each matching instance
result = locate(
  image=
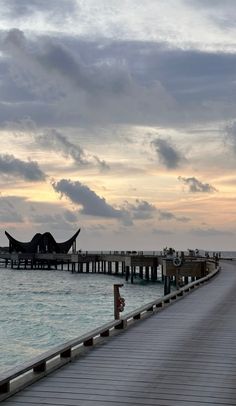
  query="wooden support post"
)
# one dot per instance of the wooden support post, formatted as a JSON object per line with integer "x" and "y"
{"x": 127, "y": 273}
{"x": 116, "y": 267}
{"x": 93, "y": 266}
{"x": 186, "y": 280}
{"x": 147, "y": 273}
{"x": 154, "y": 273}
{"x": 176, "y": 278}
{"x": 87, "y": 267}
{"x": 141, "y": 272}
{"x": 123, "y": 268}
{"x": 162, "y": 275}
{"x": 132, "y": 275}
{"x": 166, "y": 285}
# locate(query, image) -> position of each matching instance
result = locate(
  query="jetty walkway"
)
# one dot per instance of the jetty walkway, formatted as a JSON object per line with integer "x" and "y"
{"x": 182, "y": 355}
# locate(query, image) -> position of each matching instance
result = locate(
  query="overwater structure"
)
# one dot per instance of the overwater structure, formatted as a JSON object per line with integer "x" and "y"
{"x": 42, "y": 244}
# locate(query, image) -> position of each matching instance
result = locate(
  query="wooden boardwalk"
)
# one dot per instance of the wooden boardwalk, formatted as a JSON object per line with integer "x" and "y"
{"x": 183, "y": 355}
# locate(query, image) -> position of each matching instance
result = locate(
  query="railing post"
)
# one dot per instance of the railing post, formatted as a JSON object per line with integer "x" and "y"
{"x": 117, "y": 301}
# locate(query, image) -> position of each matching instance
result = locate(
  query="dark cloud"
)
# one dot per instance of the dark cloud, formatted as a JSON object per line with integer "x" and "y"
{"x": 168, "y": 154}
{"x": 68, "y": 80}
{"x": 195, "y": 186}
{"x": 55, "y": 141}
{"x": 62, "y": 68}
{"x": 30, "y": 171}
{"x": 141, "y": 210}
{"x": 82, "y": 195}
{"x": 94, "y": 205}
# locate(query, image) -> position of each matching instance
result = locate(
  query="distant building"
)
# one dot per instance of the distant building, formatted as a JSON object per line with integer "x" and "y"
{"x": 42, "y": 243}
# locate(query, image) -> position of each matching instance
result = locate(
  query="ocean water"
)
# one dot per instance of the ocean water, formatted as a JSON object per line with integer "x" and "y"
{"x": 41, "y": 309}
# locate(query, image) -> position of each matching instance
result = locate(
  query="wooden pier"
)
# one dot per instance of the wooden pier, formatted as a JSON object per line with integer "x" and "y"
{"x": 178, "y": 352}
{"x": 130, "y": 266}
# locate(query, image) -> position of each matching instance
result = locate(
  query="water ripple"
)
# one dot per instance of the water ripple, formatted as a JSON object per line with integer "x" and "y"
{"x": 41, "y": 309}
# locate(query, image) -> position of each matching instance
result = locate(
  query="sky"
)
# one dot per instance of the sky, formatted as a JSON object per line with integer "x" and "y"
{"x": 119, "y": 118}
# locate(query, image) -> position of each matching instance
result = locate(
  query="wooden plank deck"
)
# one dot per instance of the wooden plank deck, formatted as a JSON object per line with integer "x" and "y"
{"x": 184, "y": 355}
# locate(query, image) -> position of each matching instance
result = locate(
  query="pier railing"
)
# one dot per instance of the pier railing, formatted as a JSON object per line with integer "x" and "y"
{"x": 18, "y": 378}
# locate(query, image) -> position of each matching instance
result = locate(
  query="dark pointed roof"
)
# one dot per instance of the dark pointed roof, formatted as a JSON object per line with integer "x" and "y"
{"x": 41, "y": 243}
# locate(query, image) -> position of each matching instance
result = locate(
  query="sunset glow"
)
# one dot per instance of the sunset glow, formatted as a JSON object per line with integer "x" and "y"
{"x": 119, "y": 121}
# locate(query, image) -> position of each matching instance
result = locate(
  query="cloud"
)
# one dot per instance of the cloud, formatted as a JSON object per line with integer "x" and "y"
{"x": 195, "y": 186}
{"x": 82, "y": 195}
{"x": 54, "y": 140}
{"x": 88, "y": 82}
{"x": 94, "y": 205}
{"x": 230, "y": 135}
{"x": 24, "y": 9}
{"x": 77, "y": 84}
{"x": 10, "y": 216}
{"x": 70, "y": 216}
{"x": 221, "y": 13}
{"x": 63, "y": 219}
{"x": 168, "y": 154}
{"x": 161, "y": 232}
{"x": 29, "y": 171}
{"x": 141, "y": 210}
{"x": 210, "y": 4}
{"x": 9, "y": 209}
{"x": 208, "y": 232}
{"x": 167, "y": 215}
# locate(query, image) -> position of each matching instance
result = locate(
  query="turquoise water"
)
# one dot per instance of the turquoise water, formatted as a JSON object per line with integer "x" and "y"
{"x": 40, "y": 309}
